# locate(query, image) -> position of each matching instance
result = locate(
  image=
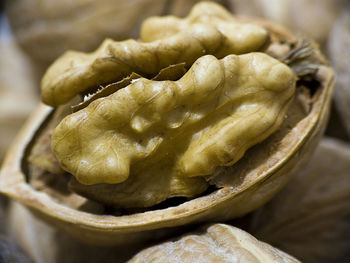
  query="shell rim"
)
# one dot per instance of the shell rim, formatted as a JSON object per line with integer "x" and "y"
{"x": 14, "y": 185}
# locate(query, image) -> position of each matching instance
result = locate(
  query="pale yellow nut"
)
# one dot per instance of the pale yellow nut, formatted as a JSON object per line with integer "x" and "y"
{"x": 175, "y": 129}
{"x": 218, "y": 243}
{"x": 209, "y": 29}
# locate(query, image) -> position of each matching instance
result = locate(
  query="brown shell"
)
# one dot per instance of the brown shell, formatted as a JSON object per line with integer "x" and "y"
{"x": 217, "y": 243}
{"x": 263, "y": 171}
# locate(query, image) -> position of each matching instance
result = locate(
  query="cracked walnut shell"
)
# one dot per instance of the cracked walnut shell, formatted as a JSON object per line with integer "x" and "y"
{"x": 218, "y": 243}
{"x": 232, "y": 190}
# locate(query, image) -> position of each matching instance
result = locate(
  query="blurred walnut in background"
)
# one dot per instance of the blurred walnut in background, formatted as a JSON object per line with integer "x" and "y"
{"x": 313, "y": 18}
{"x": 310, "y": 217}
{"x": 339, "y": 54}
{"x": 45, "y": 29}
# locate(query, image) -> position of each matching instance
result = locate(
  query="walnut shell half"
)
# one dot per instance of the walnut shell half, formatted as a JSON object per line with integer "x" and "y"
{"x": 219, "y": 243}
{"x": 264, "y": 169}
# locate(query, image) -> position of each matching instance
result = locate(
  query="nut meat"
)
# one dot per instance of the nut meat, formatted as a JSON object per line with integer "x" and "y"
{"x": 183, "y": 129}
{"x": 209, "y": 29}
{"x": 164, "y": 134}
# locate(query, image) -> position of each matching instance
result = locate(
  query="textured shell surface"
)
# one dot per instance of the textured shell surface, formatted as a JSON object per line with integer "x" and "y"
{"x": 219, "y": 243}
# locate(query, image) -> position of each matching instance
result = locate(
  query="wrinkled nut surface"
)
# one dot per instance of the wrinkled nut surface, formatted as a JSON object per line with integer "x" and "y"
{"x": 209, "y": 29}
{"x": 219, "y": 243}
{"x": 234, "y": 190}
{"x": 45, "y": 29}
{"x": 153, "y": 140}
{"x": 163, "y": 134}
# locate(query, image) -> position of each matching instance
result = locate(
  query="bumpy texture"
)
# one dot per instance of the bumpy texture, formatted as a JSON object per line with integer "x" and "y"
{"x": 209, "y": 29}
{"x": 47, "y": 28}
{"x": 158, "y": 136}
{"x": 220, "y": 243}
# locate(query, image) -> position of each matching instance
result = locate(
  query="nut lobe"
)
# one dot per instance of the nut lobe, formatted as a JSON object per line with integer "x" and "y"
{"x": 208, "y": 118}
{"x": 218, "y": 33}
{"x": 256, "y": 112}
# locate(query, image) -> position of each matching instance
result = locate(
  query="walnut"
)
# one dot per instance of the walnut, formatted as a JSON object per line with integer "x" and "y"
{"x": 218, "y": 243}
{"x": 286, "y": 79}
{"x": 206, "y": 119}
{"x": 47, "y": 28}
{"x": 209, "y": 29}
